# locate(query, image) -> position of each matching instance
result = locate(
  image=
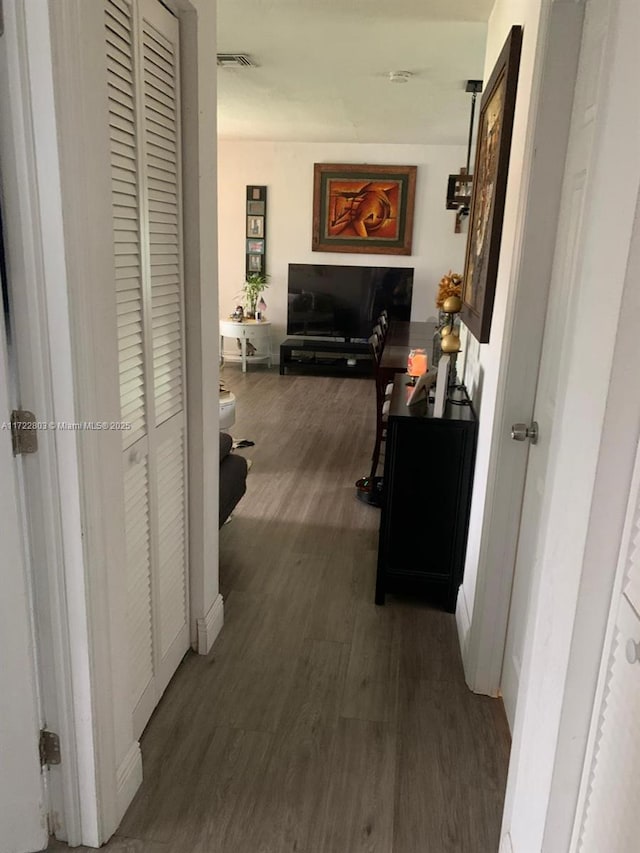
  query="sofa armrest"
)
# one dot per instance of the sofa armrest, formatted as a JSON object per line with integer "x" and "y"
{"x": 226, "y": 443}
{"x": 233, "y": 484}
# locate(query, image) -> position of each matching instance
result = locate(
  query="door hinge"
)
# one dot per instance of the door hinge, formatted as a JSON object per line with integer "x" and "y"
{"x": 24, "y": 435}
{"x": 49, "y": 748}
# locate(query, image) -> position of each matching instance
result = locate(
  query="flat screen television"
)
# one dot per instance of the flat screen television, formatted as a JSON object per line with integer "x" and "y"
{"x": 345, "y": 301}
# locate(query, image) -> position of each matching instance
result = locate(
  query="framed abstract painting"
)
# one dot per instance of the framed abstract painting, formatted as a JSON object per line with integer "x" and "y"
{"x": 489, "y": 189}
{"x": 365, "y": 209}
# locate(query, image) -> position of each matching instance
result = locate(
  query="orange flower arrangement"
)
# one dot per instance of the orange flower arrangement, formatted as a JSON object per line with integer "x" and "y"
{"x": 450, "y": 285}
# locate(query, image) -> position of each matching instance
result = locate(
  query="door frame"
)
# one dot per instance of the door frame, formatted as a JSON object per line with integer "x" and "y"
{"x": 482, "y": 623}
{"x": 42, "y": 353}
{"x": 603, "y": 569}
{"x": 199, "y": 104}
{"x": 23, "y": 800}
{"x": 579, "y": 537}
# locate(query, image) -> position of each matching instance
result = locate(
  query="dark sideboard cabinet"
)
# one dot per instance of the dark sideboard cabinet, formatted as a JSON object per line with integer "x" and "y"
{"x": 428, "y": 476}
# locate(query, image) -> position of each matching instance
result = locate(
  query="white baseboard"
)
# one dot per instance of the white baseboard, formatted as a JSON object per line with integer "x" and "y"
{"x": 463, "y": 622}
{"x": 128, "y": 778}
{"x": 210, "y": 626}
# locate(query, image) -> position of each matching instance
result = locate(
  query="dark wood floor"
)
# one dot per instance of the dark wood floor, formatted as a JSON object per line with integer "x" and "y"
{"x": 319, "y": 723}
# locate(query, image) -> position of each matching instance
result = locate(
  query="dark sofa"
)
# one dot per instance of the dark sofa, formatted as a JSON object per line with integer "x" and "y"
{"x": 233, "y": 478}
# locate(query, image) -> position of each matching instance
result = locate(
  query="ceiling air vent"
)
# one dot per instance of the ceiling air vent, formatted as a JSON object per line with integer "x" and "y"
{"x": 235, "y": 60}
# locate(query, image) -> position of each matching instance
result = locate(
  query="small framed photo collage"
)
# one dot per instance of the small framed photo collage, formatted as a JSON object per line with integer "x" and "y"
{"x": 256, "y": 234}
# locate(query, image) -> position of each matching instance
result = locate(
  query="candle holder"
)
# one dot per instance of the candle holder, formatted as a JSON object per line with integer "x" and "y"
{"x": 417, "y": 362}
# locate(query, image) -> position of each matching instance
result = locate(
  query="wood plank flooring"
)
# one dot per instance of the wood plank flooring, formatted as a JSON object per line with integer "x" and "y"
{"x": 319, "y": 723}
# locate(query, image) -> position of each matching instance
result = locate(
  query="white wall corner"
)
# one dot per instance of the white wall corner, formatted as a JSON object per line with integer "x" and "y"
{"x": 128, "y": 778}
{"x": 463, "y": 622}
{"x": 210, "y": 626}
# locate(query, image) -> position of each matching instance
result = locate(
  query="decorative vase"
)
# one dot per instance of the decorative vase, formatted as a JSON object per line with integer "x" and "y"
{"x": 451, "y": 343}
{"x": 452, "y": 305}
{"x": 437, "y": 338}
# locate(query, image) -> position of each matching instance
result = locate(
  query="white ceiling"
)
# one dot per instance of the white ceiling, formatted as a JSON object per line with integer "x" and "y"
{"x": 323, "y": 69}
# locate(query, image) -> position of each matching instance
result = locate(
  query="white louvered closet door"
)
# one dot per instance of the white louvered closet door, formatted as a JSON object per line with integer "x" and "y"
{"x": 610, "y": 815}
{"x": 144, "y": 120}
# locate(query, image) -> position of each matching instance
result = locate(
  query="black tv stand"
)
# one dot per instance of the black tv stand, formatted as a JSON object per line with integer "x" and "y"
{"x": 325, "y": 358}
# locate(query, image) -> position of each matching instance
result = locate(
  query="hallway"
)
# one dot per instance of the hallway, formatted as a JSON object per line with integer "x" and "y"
{"x": 319, "y": 723}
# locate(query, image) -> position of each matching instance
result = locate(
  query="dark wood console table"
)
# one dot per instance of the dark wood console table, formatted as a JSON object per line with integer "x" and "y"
{"x": 428, "y": 475}
{"x": 413, "y": 334}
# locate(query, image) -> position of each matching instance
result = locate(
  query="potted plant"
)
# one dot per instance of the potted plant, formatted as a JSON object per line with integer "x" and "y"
{"x": 255, "y": 283}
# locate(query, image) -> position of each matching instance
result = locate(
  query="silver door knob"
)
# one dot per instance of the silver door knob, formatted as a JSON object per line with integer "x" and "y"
{"x": 522, "y": 432}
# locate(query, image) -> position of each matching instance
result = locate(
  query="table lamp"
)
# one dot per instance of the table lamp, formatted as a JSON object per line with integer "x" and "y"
{"x": 417, "y": 362}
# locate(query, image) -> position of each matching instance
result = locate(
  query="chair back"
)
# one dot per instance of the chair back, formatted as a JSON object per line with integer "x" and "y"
{"x": 376, "y": 349}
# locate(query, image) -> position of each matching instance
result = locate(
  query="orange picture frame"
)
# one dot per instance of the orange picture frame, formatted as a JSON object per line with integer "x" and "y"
{"x": 363, "y": 209}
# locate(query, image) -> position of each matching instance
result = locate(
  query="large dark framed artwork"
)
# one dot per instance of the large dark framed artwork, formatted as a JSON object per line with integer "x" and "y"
{"x": 364, "y": 209}
{"x": 489, "y": 189}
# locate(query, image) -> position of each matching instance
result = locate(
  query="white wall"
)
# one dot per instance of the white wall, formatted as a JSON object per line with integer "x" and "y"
{"x": 483, "y": 362}
{"x": 198, "y": 34}
{"x": 287, "y": 170}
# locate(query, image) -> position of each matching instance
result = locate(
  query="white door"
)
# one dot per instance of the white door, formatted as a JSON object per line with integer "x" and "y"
{"x": 23, "y": 813}
{"x": 566, "y": 271}
{"x": 142, "y": 43}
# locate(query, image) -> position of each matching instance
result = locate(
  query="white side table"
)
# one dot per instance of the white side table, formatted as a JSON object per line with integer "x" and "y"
{"x": 256, "y": 331}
